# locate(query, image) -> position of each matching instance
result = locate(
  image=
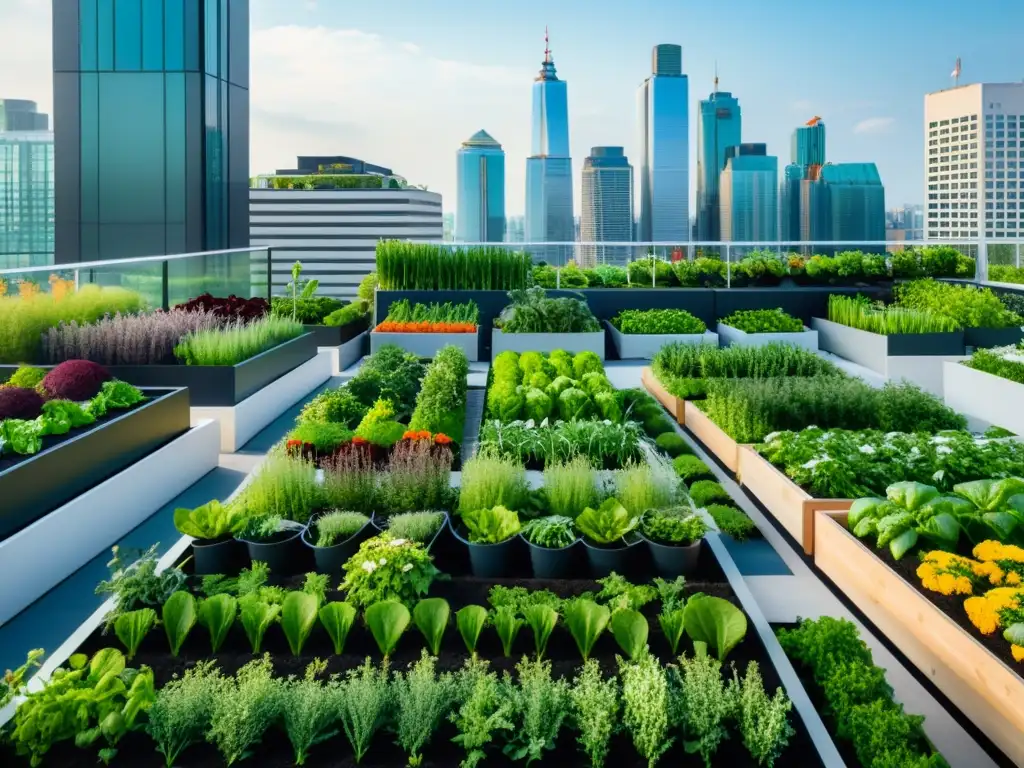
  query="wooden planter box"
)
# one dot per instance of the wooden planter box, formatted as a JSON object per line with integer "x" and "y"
{"x": 980, "y": 685}
{"x": 984, "y": 396}
{"x": 784, "y": 500}
{"x": 676, "y": 405}
{"x": 725, "y": 449}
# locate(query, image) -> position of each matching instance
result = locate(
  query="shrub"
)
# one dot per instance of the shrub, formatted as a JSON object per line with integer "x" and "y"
{"x": 704, "y": 492}
{"x": 20, "y": 403}
{"x": 231, "y": 308}
{"x": 650, "y": 272}
{"x": 966, "y": 305}
{"x": 672, "y": 443}
{"x": 995, "y": 362}
{"x": 675, "y": 525}
{"x": 531, "y": 311}
{"x": 348, "y": 314}
{"x": 237, "y": 343}
{"x": 759, "y": 268}
{"x": 731, "y": 521}
{"x": 76, "y": 380}
{"x": 387, "y": 568}
{"x": 764, "y": 321}
{"x": 657, "y": 425}
{"x": 702, "y": 272}
{"x": 334, "y": 405}
{"x": 325, "y": 437}
{"x": 691, "y": 468}
{"x": 611, "y": 277}
{"x": 658, "y": 321}
{"x": 27, "y": 377}
{"x": 441, "y": 403}
{"x": 392, "y": 374}
{"x": 309, "y": 310}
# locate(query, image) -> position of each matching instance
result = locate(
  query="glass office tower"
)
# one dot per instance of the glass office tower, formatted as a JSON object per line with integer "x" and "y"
{"x": 856, "y": 205}
{"x": 719, "y": 126}
{"x": 749, "y": 195}
{"x": 151, "y": 126}
{"x": 663, "y": 117}
{"x": 607, "y": 207}
{"x": 480, "y": 174}
{"x": 549, "y": 204}
{"x": 26, "y": 198}
{"x": 809, "y": 143}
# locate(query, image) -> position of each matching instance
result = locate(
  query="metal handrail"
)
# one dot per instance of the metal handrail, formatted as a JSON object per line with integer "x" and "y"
{"x": 77, "y": 265}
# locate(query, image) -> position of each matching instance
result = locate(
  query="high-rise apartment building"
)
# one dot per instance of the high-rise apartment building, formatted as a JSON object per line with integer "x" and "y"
{"x": 663, "y": 117}
{"x": 480, "y": 174}
{"x": 749, "y": 195}
{"x": 151, "y": 127}
{"x": 549, "y": 203}
{"x": 607, "y": 215}
{"x": 974, "y": 161}
{"x": 22, "y": 115}
{"x": 26, "y": 185}
{"x": 719, "y": 126}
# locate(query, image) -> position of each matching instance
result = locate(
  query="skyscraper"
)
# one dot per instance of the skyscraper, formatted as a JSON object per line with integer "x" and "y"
{"x": 974, "y": 179}
{"x": 151, "y": 127}
{"x": 549, "y": 204}
{"x": 808, "y": 147}
{"x": 664, "y": 146}
{"x": 22, "y": 115}
{"x": 607, "y": 207}
{"x": 480, "y": 212}
{"x": 26, "y": 188}
{"x": 804, "y": 214}
{"x": 719, "y": 126}
{"x": 856, "y": 205}
{"x": 749, "y": 195}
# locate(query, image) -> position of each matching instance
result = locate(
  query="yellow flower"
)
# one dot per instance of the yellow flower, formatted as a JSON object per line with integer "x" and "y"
{"x": 1018, "y": 652}
{"x": 993, "y": 550}
{"x": 1013, "y": 578}
{"x": 981, "y": 614}
{"x": 990, "y": 571}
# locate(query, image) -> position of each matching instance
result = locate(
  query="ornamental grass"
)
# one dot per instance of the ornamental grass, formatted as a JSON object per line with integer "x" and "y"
{"x": 234, "y": 344}
{"x": 860, "y": 314}
{"x": 403, "y": 266}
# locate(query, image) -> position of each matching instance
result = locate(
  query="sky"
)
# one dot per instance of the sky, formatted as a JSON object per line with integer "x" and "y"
{"x": 402, "y": 83}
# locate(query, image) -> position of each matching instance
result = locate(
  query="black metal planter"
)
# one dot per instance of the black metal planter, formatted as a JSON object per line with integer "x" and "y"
{"x": 331, "y": 559}
{"x": 554, "y": 563}
{"x": 624, "y": 558}
{"x": 671, "y": 560}
{"x": 992, "y": 337}
{"x": 211, "y": 556}
{"x": 490, "y": 561}
{"x": 286, "y": 554}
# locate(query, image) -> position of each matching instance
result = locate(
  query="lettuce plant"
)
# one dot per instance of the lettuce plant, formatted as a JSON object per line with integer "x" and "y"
{"x": 210, "y": 521}
{"x": 179, "y": 616}
{"x": 257, "y": 615}
{"x": 491, "y": 526}
{"x": 131, "y": 628}
{"x": 586, "y": 621}
{"x": 507, "y": 624}
{"x": 542, "y": 620}
{"x": 218, "y": 614}
{"x": 431, "y": 618}
{"x": 629, "y": 628}
{"x": 607, "y": 524}
{"x": 716, "y": 622}
{"x": 298, "y": 616}
{"x": 337, "y": 619}
{"x": 470, "y": 620}
{"x": 387, "y": 621}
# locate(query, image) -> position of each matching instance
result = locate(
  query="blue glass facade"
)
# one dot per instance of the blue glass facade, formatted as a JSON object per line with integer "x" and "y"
{"x": 719, "y": 126}
{"x": 151, "y": 123}
{"x": 607, "y": 215}
{"x": 856, "y": 204}
{"x": 749, "y": 195}
{"x": 808, "y": 147}
{"x": 663, "y": 118}
{"x": 480, "y": 174}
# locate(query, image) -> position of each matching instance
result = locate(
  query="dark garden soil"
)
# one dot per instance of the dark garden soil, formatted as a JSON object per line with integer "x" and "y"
{"x": 275, "y": 750}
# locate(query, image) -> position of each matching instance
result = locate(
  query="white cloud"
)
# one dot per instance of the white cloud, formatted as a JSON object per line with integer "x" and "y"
{"x": 875, "y": 125}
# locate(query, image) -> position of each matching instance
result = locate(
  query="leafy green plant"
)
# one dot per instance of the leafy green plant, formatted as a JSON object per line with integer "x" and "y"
{"x": 12, "y": 682}
{"x": 386, "y": 568}
{"x": 542, "y": 620}
{"x": 422, "y": 698}
{"x": 709, "y": 703}
{"x": 486, "y": 709}
{"x": 131, "y": 628}
{"x": 594, "y": 711}
{"x": 763, "y": 321}
{"x": 619, "y": 593}
{"x": 356, "y": 312}
{"x": 257, "y": 616}
{"x": 716, "y": 622}
{"x": 491, "y": 526}
{"x": 183, "y": 709}
{"x": 531, "y": 311}
{"x": 336, "y": 527}
{"x": 387, "y": 621}
{"x": 283, "y": 487}
{"x": 610, "y": 445}
{"x": 431, "y": 618}
{"x": 672, "y": 624}
{"x": 999, "y": 362}
{"x": 691, "y": 468}
{"x": 245, "y": 713}
{"x": 316, "y": 584}
{"x": 731, "y": 521}
{"x": 210, "y": 521}
{"x": 607, "y": 524}
{"x": 507, "y": 624}
{"x": 672, "y": 444}
{"x": 470, "y": 620}
{"x": 364, "y": 705}
{"x": 968, "y": 306}
{"x": 586, "y": 621}
{"x": 658, "y": 321}
{"x": 325, "y": 437}
{"x": 858, "y": 313}
{"x": 551, "y": 532}
{"x": 762, "y": 720}
{"x": 674, "y": 526}
{"x": 650, "y": 485}
{"x": 704, "y": 492}
{"x": 441, "y": 402}
{"x": 218, "y": 614}
{"x": 135, "y": 583}
{"x": 179, "y": 616}
{"x": 541, "y": 705}
{"x": 629, "y": 628}
{"x": 298, "y": 616}
{"x": 646, "y": 706}
{"x": 309, "y": 709}
{"x": 337, "y": 406}
{"x": 337, "y": 619}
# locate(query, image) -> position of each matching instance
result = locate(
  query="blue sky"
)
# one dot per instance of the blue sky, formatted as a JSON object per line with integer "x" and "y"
{"x": 403, "y": 82}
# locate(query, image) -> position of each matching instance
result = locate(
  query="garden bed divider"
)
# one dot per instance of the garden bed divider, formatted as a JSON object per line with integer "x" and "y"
{"x": 787, "y": 502}
{"x": 873, "y": 350}
{"x": 978, "y": 683}
{"x": 675, "y": 405}
{"x": 724, "y": 448}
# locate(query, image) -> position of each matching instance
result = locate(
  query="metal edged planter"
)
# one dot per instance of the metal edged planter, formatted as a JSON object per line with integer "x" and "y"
{"x": 331, "y": 559}
{"x": 285, "y": 555}
{"x": 644, "y": 346}
{"x": 218, "y": 556}
{"x": 984, "y": 396}
{"x": 986, "y": 338}
{"x": 490, "y": 561}
{"x": 546, "y": 342}
{"x": 548, "y": 563}
{"x": 671, "y": 560}
{"x": 624, "y": 559}
{"x": 729, "y": 336}
{"x": 873, "y": 350}
{"x": 336, "y": 335}
{"x": 427, "y": 345}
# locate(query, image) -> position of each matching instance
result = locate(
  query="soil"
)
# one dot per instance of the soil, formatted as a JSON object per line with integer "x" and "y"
{"x": 275, "y": 751}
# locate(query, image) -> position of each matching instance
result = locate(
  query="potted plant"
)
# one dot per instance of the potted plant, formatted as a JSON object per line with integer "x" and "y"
{"x": 423, "y": 527}
{"x": 605, "y": 531}
{"x": 490, "y": 537}
{"x": 213, "y": 527}
{"x": 673, "y": 536}
{"x": 335, "y": 537}
{"x": 551, "y": 542}
{"x": 274, "y": 541}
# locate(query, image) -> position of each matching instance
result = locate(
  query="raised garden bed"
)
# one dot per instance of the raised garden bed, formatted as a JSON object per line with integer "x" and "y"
{"x": 984, "y": 396}
{"x": 644, "y": 346}
{"x": 791, "y": 506}
{"x": 941, "y": 643}
{"x": 427, "y": 345}
{"x": 728, "y": 335}
{"x": 335, "y": 335}
{"x": 872, "y": 350}
{"x": 68, "y": 465}
{"x": 993, "y": 337}
{"x": 675, "y": 405}
{"x": 714, "y": 438}
{"x": 547, "y": 342}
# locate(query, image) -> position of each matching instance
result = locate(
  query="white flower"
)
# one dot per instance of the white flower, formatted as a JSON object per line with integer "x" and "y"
{"x": 826, "y": 436}
{"x": 398, "y": 542}
{"x": 939, "y": 439}
{"x": 382, "y": 561}
{"x": 772, "y": 436}
{"x": 369, "y": 566}
{"x": 544, "y": 423}
{"x": 529, "y": 424}
{"x": 867, "y": 449}
{"x": 943, "y": 449}
{"x": 407, "y": 567}
{"x": 891, "y": 435}
{"x": 915, "y": 451}
{"x": 980, "y": 441}
{"x": 607, "y": 422}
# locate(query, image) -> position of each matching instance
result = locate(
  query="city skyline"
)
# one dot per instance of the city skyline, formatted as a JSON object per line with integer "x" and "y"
{"x": 436, "y": 75}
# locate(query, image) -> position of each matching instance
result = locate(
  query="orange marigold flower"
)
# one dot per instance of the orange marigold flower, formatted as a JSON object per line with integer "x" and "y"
{"x": 360, "y": 441}
{"x": 408, "y": 435}
{"x": 423, "y": 435}
{"x": 442, "y": 439}
{"x": 293, "y": 443}
{"x": 1018, "y": 652}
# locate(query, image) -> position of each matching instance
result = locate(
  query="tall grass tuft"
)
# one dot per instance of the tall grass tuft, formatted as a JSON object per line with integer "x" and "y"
{"x": 489, "y": 480}
{"x": 570, "y": 487}
{"x": 652, "y": 485}
{"x": 283, "y": 487}
{"x": 236, "y": 343}
{"x": 417, "y": 477}
{"x": 426, "y": 266}
{"x": 350, "y": 481}
{"x": 858, "y": 313}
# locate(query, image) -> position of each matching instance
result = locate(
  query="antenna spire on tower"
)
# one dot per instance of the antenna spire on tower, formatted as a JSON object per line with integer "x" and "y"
{"x": 716, "y": 75}
{"x": 547, "y": 47}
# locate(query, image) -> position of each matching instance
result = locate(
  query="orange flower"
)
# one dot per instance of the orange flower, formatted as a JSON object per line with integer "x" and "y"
{"x": 423, "y": 435}
{"x": 442, "y": 439}
{"x": 293, "y": 443}
{"x": 408, "y": 435}
{"x": 360, "y": 441}
{"x": 390, "y": 326}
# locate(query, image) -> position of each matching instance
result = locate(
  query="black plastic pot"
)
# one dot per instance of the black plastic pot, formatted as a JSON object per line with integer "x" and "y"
{"x": 331, "y": 559}
{"x": 553, "y": 563}
{"x": 224, "y": 556}
{"x": 490, "y": 561}
{"x": 623, "y": 558}
{"x": 673, "y": 560}
{"x": 286, "y": 554}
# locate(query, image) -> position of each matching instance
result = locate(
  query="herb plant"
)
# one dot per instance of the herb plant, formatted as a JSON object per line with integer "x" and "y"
{"x": 364, "y": 705}
{"x": 489, "y": 480}
{"x": 763, "y": 721}
{"x": 491, "y": 526}
{"x": 246, "y": 711}
{"x": 422, "y": 698}
{"x": 531, "y": 311}
{"x": 594, "y": 711}
{"x": 968, "y": 306}
{"x": 658, "y": 321}
{"x": 618, "y": 593}
{"x": 235, "y": 344}
{"x": 646, "y": 706}
{"x": 418, "y": 526}
{"x": 551, "y": 532}
{"x": 674, "y": 526}
{"x": 570, "y": 487}
{"x": 1004, "y": 362}
{"x": 541, "y": 705}
{"x": 486, "y": 709}
{"x": 708, "y": 703}
{"x": 309, "y": 709}
{"x": 335, "y": 527}
{"x": 858, "y": 313}
{"x": 763, "y": 321}
{"x": 436, "y": 267}
{"x": 136, "y": 583}
{"x": 387, "y": 568}
{"x": 731, "y": 521}
{"x": 183, "y": 710}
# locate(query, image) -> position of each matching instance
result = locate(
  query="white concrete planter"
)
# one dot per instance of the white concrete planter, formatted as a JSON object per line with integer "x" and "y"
{"x": 729, "y": 336}
{"x": 427, "y": 345}
{"x": 984, "y": 396}
{"x": 240, "y": 423}
{"x": 547, "y": 342}
{"x": 644, "y": 346}
{"x": 37, "y": 558}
